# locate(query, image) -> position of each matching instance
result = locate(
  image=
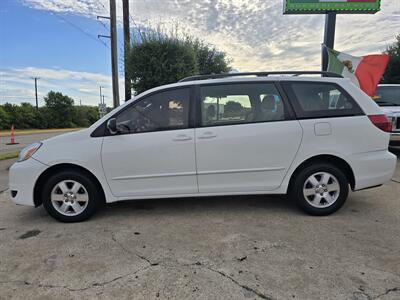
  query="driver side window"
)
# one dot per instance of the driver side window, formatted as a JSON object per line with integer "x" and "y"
{"x": 161, "y": 111}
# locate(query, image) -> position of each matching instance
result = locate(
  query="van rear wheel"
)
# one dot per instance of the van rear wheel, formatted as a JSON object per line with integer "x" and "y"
{"x": 320, "y": 189}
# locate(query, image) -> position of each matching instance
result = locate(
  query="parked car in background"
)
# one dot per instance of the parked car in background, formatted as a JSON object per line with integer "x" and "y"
{"x": 313, "y": 138}
{"x": 389, "y": 101}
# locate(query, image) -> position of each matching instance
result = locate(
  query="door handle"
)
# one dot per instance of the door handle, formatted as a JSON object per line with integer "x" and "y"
{"x": 207, "y": 135}
{"x": 182, "y": 138}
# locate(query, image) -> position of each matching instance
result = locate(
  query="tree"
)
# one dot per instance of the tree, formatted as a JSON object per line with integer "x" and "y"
{"x": 4, "y": 119}
{"x": 392, "y": 73}
{"x": 29, "y": 116}
{"x": 84, "y": 116}
{"x": 232, "y": 108}
{"x": 209, "y": 59}
{"x": 160, "y": 61}
{"x": 59, "y": 110}
{"x": 159, "y": 58}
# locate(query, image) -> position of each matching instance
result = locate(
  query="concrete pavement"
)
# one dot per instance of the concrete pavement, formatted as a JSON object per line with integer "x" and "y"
{"x": 4, "y": 166}
{"x": 250, "y": 247}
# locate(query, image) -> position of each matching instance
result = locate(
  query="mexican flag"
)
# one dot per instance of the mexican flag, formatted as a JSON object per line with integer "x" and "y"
{"x": 364, "y": 71}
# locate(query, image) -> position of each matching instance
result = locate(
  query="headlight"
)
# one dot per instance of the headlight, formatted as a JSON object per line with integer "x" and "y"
{"x": 28, "y": 151}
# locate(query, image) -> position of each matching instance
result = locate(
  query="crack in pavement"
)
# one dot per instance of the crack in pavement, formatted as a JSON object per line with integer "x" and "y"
{"x": 196, "y": 264}
{"x": 245, "y": 287}
{"x": 395, "y": 289}
{"x": 139, "y": 255}
{"x": 93, "y": 285}
{"x": 15, "y": 281}
{"x": 395, "y": 180}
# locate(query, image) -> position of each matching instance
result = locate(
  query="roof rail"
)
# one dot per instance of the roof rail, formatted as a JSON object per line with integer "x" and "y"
{"x": 260, "y": 74}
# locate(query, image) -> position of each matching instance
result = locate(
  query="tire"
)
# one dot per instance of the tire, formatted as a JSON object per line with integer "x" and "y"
{"x": 71, "y": 196}
{"x": 320, "y": 189}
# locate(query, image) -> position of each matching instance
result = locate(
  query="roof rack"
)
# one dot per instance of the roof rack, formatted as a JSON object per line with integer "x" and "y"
{"x": 260, "y": 74}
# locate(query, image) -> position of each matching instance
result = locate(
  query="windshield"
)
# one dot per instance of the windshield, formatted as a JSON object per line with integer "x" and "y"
{"x": 388, "y": 95}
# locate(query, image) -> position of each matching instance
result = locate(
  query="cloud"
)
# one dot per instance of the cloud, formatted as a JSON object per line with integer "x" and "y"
{"x": 254, "y": 33}
{"x": 17, "y": 85}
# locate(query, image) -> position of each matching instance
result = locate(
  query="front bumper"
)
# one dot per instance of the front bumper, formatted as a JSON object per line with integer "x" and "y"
{"x": 394, "y": 139}
{"x": 22, "y": 179}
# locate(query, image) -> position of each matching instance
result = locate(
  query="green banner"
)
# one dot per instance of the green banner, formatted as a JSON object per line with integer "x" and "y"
{"x": 324, "y": 6}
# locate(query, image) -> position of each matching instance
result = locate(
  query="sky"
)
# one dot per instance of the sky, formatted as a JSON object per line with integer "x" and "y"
{"x": 56, "y": 40}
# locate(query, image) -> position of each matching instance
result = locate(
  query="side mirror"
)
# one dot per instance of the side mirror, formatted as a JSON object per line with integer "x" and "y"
{"x": 112, "y": 126}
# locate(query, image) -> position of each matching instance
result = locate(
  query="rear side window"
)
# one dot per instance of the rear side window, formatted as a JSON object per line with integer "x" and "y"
{"x": 230, "y": 104}
{"x": 320, "y": 100}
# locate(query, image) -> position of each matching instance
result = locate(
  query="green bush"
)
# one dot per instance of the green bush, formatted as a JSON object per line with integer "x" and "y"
{"x": 4, "y": 119}
{"x": 58, "y": 112}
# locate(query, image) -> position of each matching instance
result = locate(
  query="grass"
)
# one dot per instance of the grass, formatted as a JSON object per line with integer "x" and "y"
{"x": 9, "y": 155}
{"x": 6, "y": 133}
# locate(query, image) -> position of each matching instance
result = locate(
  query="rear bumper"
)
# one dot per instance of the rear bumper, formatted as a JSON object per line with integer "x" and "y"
{"x": 394, "y": 139}
{"x": 22, "y": 179}
{"x": 372, "y": 168}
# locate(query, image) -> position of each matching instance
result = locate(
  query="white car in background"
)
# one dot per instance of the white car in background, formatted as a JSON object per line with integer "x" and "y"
{"x": 389, "y": 101}
{"x": 230, "y": 134}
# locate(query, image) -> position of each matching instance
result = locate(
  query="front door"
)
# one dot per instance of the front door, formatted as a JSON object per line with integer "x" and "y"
{"x": 154, "y": 152}
{"x": 247, "y": 138}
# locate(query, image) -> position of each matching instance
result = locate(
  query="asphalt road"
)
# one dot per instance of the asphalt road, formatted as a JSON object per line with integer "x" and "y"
{"x": 251, "y": 247}
{"x": 24, "y": 140}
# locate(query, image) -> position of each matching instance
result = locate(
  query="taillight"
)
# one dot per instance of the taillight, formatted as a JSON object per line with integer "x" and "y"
{"x": 382, "y": 122}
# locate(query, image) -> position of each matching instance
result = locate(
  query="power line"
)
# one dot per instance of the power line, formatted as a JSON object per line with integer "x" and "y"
{"x": 104, "y": 25}
{"x": 80, "y": 29}
{"x": 106, "y": 12}
{"x": 134, "y": 23}
{"x": 103, "y": 6}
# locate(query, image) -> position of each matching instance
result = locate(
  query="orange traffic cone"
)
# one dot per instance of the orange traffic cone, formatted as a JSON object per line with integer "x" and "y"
{"x": 12, "y": 137}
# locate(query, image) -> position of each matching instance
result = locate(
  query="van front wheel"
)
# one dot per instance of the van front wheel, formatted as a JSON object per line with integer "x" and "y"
{"x": 320, "y": 189}
{"x": 70, "y": 196}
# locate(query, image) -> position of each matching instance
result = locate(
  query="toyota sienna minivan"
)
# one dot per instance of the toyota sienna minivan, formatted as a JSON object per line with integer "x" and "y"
{"x": 313, "y": 138}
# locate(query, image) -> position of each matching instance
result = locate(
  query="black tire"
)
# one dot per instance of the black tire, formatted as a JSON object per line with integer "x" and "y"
{"x": 92, "y": 190}
{"x": 299, "y": 181}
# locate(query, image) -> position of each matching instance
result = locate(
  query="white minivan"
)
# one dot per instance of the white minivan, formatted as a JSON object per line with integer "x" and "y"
{"x": 231, "y": 134}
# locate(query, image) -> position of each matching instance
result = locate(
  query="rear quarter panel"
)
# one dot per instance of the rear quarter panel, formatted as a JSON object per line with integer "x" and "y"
{"x": 349, "y": 136}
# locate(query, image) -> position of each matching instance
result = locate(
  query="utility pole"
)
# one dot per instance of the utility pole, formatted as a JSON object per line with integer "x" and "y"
{"x": 100, "y": 95}
{"x": 114, "y": 52}
{"x": 36, "y": 96}
{"x": 329, "y": 37}
{"x": 127, "y": 42}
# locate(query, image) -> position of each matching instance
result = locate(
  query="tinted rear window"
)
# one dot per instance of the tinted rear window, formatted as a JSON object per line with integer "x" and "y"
{"x": 320, "y": 99}
{"x": 388, "y": 95}
{"x": 229, "y": 104}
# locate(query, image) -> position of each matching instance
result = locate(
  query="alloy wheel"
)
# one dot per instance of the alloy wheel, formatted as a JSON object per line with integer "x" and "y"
{"x": 69, "y": 198}
{"x": 321, "y": 189}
